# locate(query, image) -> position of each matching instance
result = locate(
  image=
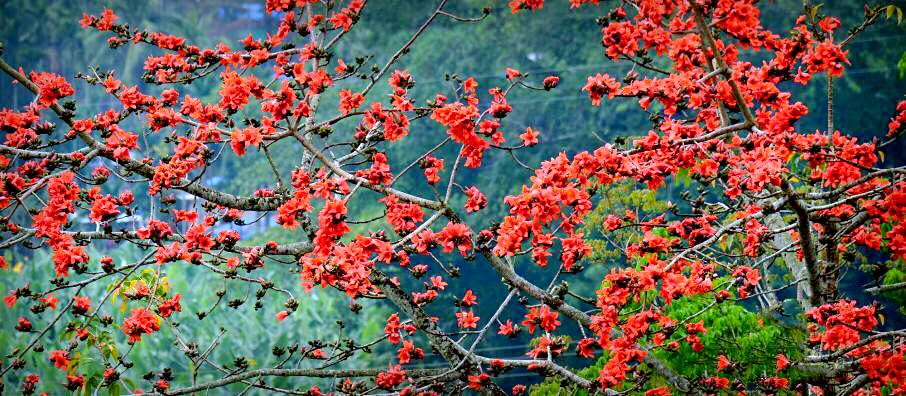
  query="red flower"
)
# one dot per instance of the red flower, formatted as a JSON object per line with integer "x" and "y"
{"x": 409, "y": 351}
{"x": 103, "y": 209}
{"x": 132, "y": 99}
{"x": 499, "y": 109}
{"x": 141, "y": 321}
{"x": 74, "y": 382}
{"x": 243, "y": 138}
{"x": 512, "y": 74}
{"x": 109, "y": 373}
{"x": 167, "y": 308}
{"x": 695, "y": 343}
{"x": 518, "y": 5}
{"x": 774, "y": 384}
{"x": 162, "y": 117}
{"x": 282, "y": 314}
{"x": 23, "y": 325}
{"x": 455, "y": 236}
{"x": 400, "y": 81}
{"x": 508, "y": 329}
{"x": 433, "y": 166}
{"x": 587, "y": 346}
{"x": 29, "y": 383}
{"x": 170, "y": 96}
{"x": 111, "y": 84}
{"x": 600, "y": 85}
{"x": 476, "y": 381}
{"x": 197, "y": 238}
{"x": 379, "y": 173}
{"x": 541, "y": 316}
{"x": 51, "y": 301}
{"x": 52, "y": 87}
{"x": 477, "y": 200}
{"x": 81, "y": 305}
{"x": 467, "y": 319}
{"x": 236, "y": 89}
{"x": 551, "y": 82}
{"x": 161, "y": 386}
{"x": 715, "y": 383}
{"x": 842, "y": 321}
{"x": 722, "y": 363}
{"x": 696, "y": 327}
{"x": 438, "y": 282}
{"x": 59, "y": 358}
{"x": 469, "y": 299}
{"x": 547, "y": 347}
{"x": 125, "y": 198}
{"x": 350, "y": 101}
{"x": 10, "y": 300}
{"x": 390, "y": 378}
{"x": 782, "y": 362}
{"x": 393, "y": 328}
{"x": 829, "y": 24}
{"x": 107, "y": 20}
{"x": 662, "y": 391}
{"x": 529, "y": 137}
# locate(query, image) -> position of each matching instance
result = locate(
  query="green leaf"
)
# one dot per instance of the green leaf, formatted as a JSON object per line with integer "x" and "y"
{"x": 683, "y": 174}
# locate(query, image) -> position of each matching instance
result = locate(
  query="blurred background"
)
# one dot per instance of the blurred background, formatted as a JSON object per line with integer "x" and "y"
{"x": 44, "y": 35}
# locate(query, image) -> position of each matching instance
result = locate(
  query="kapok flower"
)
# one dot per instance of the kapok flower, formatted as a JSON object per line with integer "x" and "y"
{"x": 141, "y": 321}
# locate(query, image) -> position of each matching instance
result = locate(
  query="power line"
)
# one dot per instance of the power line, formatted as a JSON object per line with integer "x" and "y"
{"x": 613, "y": 64}
{"x": 555, "y": 98}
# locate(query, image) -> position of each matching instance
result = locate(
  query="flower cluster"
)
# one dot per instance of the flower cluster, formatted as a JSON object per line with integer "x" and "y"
{"x": 51, "y": 87}
{"x": 140, "y": 321}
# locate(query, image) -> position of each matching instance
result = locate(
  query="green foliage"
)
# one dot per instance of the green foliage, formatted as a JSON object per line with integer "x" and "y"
{"x": 742, "y": 336}
{"x": 551, "y": 387}
{"x": 246, "y": 332}
{"x": 745, "y": 338}
{"x": 614, "y": 199}
{"x": 901, "y": 65}
{"x": 896, "y": 275}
